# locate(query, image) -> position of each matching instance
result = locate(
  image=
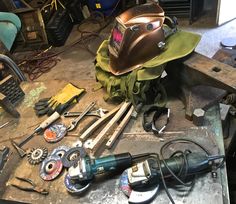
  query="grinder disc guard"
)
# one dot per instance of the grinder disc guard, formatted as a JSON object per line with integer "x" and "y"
{"x": 136, "y": 197}
{"x": 74, "y": 186}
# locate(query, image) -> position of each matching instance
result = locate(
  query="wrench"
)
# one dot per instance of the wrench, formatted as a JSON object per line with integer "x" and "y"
{"x": 99, "y": 113}
{"x": 75, "y": 122}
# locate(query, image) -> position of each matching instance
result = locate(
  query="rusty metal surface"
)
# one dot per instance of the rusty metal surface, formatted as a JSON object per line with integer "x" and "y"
{"x": 201, "y": 81}
{"x": 104, "y": 190}
{"x": 226, "y": 56}
{"x": 200, "y": 97}
{"x": 213, "y": 121}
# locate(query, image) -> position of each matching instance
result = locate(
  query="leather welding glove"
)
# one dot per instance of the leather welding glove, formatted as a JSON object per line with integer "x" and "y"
{"x": 67, "y": 96}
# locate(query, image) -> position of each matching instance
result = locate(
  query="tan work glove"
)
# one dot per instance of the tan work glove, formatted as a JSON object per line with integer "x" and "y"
{"x": 67, "y": 96}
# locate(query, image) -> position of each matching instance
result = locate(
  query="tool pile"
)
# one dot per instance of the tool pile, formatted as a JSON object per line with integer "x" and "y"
{"x": 142, "y": 174}
{"x": 62, "y": 157}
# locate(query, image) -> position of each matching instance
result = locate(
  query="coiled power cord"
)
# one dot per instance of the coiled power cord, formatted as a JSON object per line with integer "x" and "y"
{"x": 182, "y": 174}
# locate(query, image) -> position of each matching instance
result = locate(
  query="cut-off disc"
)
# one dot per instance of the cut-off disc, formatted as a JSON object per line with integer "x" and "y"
{"x": 136, "y": 197}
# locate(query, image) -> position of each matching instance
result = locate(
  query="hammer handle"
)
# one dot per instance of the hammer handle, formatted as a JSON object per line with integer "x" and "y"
{"x": 27, "y": 139}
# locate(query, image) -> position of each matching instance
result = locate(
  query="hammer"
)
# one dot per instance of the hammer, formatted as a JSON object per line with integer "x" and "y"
{"x": 37, "y": 130}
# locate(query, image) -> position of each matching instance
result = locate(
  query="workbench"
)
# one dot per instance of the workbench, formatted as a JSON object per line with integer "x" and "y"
{"x": 134, "y": 140}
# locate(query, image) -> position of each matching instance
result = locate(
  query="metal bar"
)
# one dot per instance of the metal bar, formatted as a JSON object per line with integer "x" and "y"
{"x": 201, "y": 70}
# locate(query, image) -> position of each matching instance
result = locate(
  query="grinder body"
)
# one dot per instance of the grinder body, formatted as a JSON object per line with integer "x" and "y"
{"x": 147, "y": 173}
{"x": 87, "y": 168}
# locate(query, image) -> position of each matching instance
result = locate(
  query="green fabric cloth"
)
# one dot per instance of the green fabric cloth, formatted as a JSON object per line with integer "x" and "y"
{"x": 177, "y": 46}
{"x": 143, "y": 85}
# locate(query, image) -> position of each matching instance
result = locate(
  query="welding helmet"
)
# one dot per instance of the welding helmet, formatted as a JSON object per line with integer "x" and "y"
{"x": 138, "y": 35}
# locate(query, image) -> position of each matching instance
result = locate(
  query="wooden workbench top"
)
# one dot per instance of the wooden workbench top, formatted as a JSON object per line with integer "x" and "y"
{"x": 134, "y": 140}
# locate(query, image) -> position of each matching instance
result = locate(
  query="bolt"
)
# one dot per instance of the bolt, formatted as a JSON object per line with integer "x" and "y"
{"x": 161, "y": 45}
{"x": 214, "y": 174}
{"x": 198, "y": 117}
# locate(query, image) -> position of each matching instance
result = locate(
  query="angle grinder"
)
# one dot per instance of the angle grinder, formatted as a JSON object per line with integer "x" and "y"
{"x": 146, "y": 170}
{"x": 81, "y": 174}
{"x": 86, "y": 168}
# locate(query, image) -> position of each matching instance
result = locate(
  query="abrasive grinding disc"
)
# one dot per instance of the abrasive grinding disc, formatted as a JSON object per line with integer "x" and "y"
{"x": 55, "y": 133}
{"x": 74, "y": 186}
{"x": 135, "y": 196}
{"x": 51, "y": 168}
{"x": 60, "y": 151}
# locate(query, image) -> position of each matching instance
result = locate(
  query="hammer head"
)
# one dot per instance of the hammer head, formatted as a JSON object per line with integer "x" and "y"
{"x": 20, "y": 151}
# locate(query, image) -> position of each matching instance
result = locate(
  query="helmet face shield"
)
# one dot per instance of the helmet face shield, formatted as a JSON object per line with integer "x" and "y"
{"x": 117, "y": 36}
{"x": 137, "y": 37}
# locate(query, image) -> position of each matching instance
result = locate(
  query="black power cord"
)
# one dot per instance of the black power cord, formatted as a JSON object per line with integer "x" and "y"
{"x": 160, "y": 159}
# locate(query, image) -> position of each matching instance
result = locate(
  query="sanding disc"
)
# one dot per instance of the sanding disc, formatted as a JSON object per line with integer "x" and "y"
{"x": 60, "y": 151}
{"x": 55, "y": 133}
{"x": 74, "y": 186}
{"x": 51, "y": 167}
{"x": 136, "y": 197}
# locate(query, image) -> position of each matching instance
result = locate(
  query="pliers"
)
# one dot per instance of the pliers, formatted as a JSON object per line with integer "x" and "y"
{"x": 33, "y": 188}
